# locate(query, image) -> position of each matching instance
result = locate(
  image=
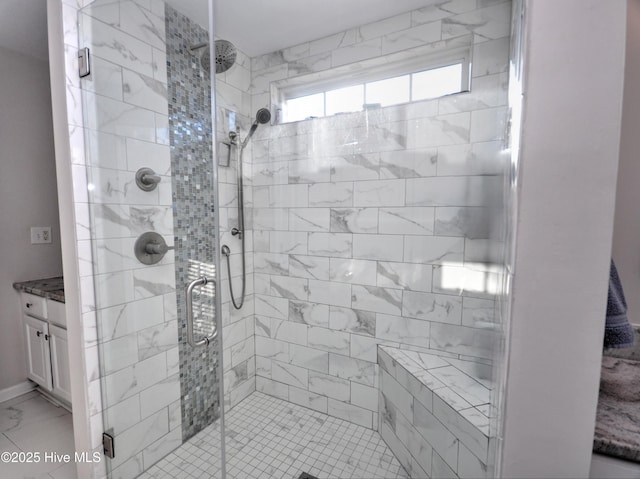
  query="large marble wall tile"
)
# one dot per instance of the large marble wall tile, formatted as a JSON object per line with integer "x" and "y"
{"x": 408, "y": 163}
{"x": 351, "y": 413}
{"x": 488, "y": 124}
{"x": 311, "y": 267}
{"x": 463, "y": 340}
{"x": 329, "y": 340}
{"x": 491, "y": 57}
{"x": 289, "y": 196}
{"x": 309, "y": 219}
{"x": 111, "y": 116}
{"x": 291, "y": 375}
{"x": 117, "y": 46}
{"x": 355, "y": 167}
{"x": 379, "y": 300}
{"x": 352, "y": 320}
{"x": 402, "y": 330}
{"x": 486, "y": 23}
{"x": 160, "y": 396}
{"x": 313, "y": 314}
{"x": 357, "y": 52}
{"x": 144, "y": 91}
{"x": 452, "y": 191}
{"x": 129, "y": 318}
{"x": 415, "y": 277}
{"x": 106, "y": 79}
{"x": 432, "y": 307}
{"x": 378, "y": 247}
{"x": 354, "y": 370}
{"x": 354, "y": 220}
{"x": 308, "y": 399}
{"x": 379, "y": 193}
{"x": 330, "y": 386}
{"x": 331, "y": 244}
{"x": 144, "y": 24}
{"x": 433, "y": 249}
{"x": 442, "y": 9}
{"x": 406, "y": 220}
{"x": 436, "y": 434}
{"x": 411, "y": 37}
{"x": 383, "y": 27}
{"x": 329, "y": 292}
{"x": 441, "y": 130}
{"x": 364, "y": 396}
{"x": 130, "y": 381}
{"x": 331, "y": 194}
{"x": 309, "y": 358}
{"x": 352, "y": 271}
{"x": 157, "y": 339}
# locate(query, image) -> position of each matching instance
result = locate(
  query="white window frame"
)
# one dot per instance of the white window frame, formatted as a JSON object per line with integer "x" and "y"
{"x": 428, "y": 57}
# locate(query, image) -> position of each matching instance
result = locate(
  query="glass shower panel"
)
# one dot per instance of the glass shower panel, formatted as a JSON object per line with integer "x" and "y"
{"x": 369, "y": 336}
{"x": 152, "y": 255}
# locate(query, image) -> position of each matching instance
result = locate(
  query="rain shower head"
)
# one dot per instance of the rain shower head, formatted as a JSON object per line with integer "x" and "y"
{"x": 225, "y": 55}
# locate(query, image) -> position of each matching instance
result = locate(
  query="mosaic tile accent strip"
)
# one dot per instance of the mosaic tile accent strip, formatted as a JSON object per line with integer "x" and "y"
{"x": 192, "y": 166}
{"x": 271, "y": 438}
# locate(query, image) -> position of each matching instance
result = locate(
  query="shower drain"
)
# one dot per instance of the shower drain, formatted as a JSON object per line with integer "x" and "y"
{"x": 306, "y": 475}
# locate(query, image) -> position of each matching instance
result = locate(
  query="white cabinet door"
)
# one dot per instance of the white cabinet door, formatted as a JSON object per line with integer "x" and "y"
{"x": 39, "y": 360}
{"x": 60, "y": 362}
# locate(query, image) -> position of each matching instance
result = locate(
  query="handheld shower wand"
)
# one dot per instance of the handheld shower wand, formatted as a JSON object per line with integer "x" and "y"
{"x": 262, "y": 116}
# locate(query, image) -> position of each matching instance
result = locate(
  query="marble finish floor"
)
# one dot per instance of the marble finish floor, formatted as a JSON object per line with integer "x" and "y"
{"x": 271, "y": 438}
{"x": 30, "y": 423}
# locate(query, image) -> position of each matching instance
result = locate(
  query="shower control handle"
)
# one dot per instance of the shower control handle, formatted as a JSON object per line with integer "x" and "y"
{"x": 157, "y": 248}
{"x": 150, "y": 248}
{"x": 205, "y": 341}
{"x": 146, "y": 179}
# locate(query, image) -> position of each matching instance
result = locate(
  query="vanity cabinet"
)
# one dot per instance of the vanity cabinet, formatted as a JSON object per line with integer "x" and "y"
{"x": 47, "y": 347}
{"x": 38, "y": 352}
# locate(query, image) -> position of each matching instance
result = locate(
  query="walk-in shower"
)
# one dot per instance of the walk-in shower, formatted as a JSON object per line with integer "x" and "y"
{"x": 262, "y": 116}
{"x": 360, "y": 303}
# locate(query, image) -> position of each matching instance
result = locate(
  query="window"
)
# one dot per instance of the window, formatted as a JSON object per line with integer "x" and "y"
{"x": 384, "y": 81}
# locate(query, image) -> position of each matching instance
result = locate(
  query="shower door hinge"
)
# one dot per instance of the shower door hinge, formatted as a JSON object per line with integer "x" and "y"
{"x": 84, "y": 62}
{"x": 108, "y": 445}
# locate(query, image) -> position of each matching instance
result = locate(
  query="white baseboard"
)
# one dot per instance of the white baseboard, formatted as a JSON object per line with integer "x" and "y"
{"x": 15, "y": 391}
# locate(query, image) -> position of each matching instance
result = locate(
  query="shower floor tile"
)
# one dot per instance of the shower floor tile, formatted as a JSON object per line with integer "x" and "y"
{"x": 271, "y": 438}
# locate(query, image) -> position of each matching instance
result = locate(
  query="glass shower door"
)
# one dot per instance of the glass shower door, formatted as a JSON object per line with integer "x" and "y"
{"x": 152, "y": 254}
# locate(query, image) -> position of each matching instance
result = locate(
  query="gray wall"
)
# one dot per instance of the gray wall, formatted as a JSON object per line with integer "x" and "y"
{"x": 626, "y": 232}
{"x": 28, "y": 196}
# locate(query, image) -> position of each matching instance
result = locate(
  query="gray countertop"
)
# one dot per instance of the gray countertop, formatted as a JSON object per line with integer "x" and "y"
{"x": 52, "y": 288}
{"x": 618, "y": 416}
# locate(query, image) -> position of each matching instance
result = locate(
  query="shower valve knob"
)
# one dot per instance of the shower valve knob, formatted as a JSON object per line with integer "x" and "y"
{"x": 146, "y": 179}
{"x": 150, "y": 248}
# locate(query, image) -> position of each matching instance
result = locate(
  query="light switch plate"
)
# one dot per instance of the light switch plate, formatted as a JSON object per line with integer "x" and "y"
{"x": 40, "y": 234}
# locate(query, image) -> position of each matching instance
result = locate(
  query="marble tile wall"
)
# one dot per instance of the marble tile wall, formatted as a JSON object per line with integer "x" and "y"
{"x": 383, "y": 226}
{"x": 233, "y": 113}
{"x": 125, "y": 118}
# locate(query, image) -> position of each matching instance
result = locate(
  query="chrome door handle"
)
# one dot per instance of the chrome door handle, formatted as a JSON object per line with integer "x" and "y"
{"x": 201, "y": 281}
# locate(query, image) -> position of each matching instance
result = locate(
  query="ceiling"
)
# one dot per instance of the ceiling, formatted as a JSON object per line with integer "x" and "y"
{"x": 254, "y": 26}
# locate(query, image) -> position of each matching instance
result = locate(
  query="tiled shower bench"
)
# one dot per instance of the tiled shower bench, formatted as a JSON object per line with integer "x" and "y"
{"x": 434, "y": 413}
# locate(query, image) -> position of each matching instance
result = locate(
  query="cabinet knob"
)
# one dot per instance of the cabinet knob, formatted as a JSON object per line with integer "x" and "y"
{"x": 46, "y": 337}
{"x": 29, "y": 305}
{"x": 38, "y": 333}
